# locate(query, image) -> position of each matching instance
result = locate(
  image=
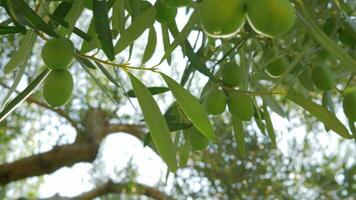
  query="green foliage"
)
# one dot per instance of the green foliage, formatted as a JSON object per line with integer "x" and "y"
{"x": 311, "y": 43}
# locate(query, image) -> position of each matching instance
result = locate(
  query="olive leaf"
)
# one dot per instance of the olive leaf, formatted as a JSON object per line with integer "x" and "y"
{"x": 191, "y": 107}
{"x": 322, "y": 114}
{"x": 156, "y": 123}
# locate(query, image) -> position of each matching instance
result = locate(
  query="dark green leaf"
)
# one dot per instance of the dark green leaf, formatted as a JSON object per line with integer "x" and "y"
{"x": 76, "y": 30}
{"x": 4, "y": 30}
{"x": 102, "y": 27}
{"x": 108, "y": 75}
{"x": 153, "y": 91}
{"x": 31, "y": 16}
{"x": 269, "y": 126}
{"x": 23, "y": 95}
{"x": 85, "y": 62}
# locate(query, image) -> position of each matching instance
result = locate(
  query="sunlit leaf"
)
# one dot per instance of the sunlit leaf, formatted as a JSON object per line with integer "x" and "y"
{"x": 137, "y": 27}
{"x": 156, "y": 123}
{"x": 150, "y": 46}
{"x": 191, "y": 107}
{"x": 322, "y": 114}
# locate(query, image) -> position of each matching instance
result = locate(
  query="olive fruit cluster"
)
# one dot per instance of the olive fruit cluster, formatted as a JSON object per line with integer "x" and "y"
{"x": 240, "y": 105}
{"x": 57, "y": 54}
{"x": 224, "y": 18}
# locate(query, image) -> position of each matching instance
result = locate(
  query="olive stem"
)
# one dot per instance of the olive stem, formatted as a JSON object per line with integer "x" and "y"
{"x": 123, "y": 66}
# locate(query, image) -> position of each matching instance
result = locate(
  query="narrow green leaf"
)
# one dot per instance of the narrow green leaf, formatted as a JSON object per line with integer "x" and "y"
{"x": 326, "y": 42}
{"x": 274, "y": 105}
{"x": 14, "y": 85}
{"x": 102, "y": 27}
{"x": 107, "y": 75}
{"x": 31, "y": 16}
{"x": 322, "y": 114}
{"x": 191, "y": 107}
{"x": 13, "y": 17}
{"x": 183, "y": 35}
{"x": 269, "y": 126}
{"x": 150, "y": 46}
{"x": 72, "y": 17}
{"x": 327, "y": 101}
{"x": 153, "y": 91}
{"x": 137, "y": 27}
{"x": 239, "y": 133}
{"x": 156, "y": 123}
{"x": 166, "y": 41}
{"x": 184, "y": 150}
{"x": 61, "y": 12}
{"x": 352, "y": 128}
{"x": 197, "y": 61}
{"x": 4, "y": 30}
{"x": 98, "y": 83}
{"x": 94, "y": 43}
{"x": 118, "y": 15}
{"x": 23, "y": 95}
{"x": 22, "y": 54}
{"x": 76, "y": 30}
{"x": 85, "y": 62}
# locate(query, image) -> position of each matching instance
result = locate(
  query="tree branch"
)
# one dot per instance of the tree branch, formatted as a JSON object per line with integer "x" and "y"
{"x": 133, "y": 129}
{"x": 58, "y": 157}
{"x": 111, "y": 187}
{"x": 116, "y": 188}
{"x": 47, "y": 162}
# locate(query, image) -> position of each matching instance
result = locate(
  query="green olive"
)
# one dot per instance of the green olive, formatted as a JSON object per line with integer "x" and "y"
{"x": 322, "y": 78}
{"x": 271, "y": 18}
{"x": 277, "y": 67}
{"x": 165, "y": 14}
{"x": 349, "y": 106}
{"x": 58, "y": 88}
{"x": 215, "y": 102}
{"x": 230, "y": 74}
{"x": 197, "y": 139}
{"x": 241, "y": 106}
{"x": 58, "y": 53}
{"x": 222, "y": 18}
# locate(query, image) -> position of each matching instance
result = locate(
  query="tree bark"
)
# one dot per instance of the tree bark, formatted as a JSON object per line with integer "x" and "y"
{"x": 47, "y": 162}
